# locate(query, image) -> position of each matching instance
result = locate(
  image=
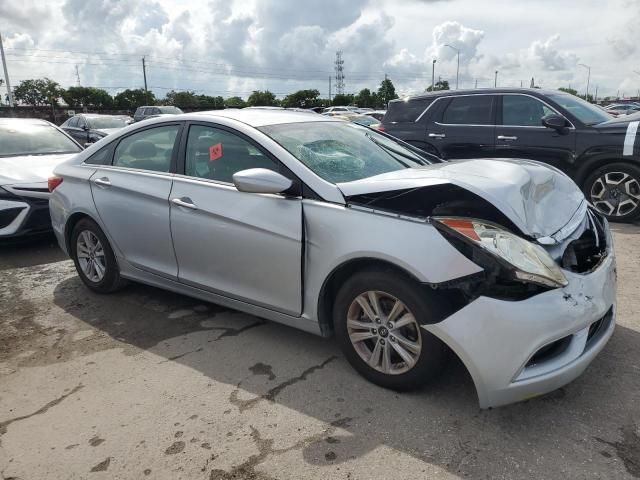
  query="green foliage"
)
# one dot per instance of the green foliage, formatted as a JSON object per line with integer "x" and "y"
{"x": 132, "y": 99}
{"x": 342, "y": 99}
{"x": 367, "y": 99}
{"x": 87, "y": 96}
{"x": 569, "y": 90}
{"x": 235, "y": 102}
{"x": 440, "y": 85}
{"x": 261, "y": 98}
{"x": 40, "y": 91}
{"x": 301, "y": 99}
{"x": 386, "y": 92}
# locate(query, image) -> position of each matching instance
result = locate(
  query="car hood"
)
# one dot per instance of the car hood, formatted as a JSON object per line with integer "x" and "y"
{"x": 538, "y": 199}
{"x": 29, "y": 168}
{"x": 618, "y": 123}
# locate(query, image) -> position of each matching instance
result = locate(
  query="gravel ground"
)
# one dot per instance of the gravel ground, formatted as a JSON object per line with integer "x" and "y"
{"x": 149, "y": 384}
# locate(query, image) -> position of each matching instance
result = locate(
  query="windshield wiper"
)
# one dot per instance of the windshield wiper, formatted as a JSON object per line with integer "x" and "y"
{"x": 396, "y": 152}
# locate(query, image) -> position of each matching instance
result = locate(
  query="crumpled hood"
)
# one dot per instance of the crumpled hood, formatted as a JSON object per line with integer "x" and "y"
{"x": 29, "y": 168}
{"x": 539, "y": 200}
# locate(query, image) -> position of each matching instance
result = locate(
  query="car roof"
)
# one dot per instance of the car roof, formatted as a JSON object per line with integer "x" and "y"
{"x": 257, "y": 117}
{"x": 29, "y": 121}
{"x": 480, "y": 91}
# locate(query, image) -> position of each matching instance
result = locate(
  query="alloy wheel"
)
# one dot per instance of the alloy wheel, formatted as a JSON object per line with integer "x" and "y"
{"x": 384, "y": 332}
{"x": 91, "y": 256}
{"x": 615, "y": 194}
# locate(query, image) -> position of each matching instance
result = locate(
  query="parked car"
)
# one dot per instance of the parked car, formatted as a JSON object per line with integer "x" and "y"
{"x": 364, "y": 120}
{"x": 145, "y": 112}
{"x": 622, "y": 109}
{"x": 29, "y": 149}
{"x": 336, "y": 229}
{"x": 599, "y": 152}
{"x": 338, "y": 110}
{"x": 379, "y": 114}
{"x": 89, "y": 128}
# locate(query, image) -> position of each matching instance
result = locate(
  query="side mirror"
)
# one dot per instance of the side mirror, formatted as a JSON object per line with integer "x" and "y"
{"x": 261, "y": 180}
{"x": 555, "y": 121}
{"x": 85, "y": 128}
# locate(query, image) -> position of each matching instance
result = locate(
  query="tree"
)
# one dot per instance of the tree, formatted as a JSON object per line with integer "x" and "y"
{"x": 184, "y": 99}
{"x": 261, "y": 98}
{"x": 87, "y": 96}
{"x": 301, "y": 99}
{"x": 366, "y": 99}
{"x": 342, "y": 99}
{"x": 206, "y": 101}
{"x": 235, "y": 102}
{"x": 40, "y": 91}
{"x": 131, "y": 99}
{"x": 568, "y": 90}
{"x": 386, "y": 92}
{"x": 440, "y": 85}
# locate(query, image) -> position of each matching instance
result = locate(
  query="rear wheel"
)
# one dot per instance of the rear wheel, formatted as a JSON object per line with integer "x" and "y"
{"x": 93, "y": 257}
{"x": 377, "y": 318}
{"x": 614, "y": 190}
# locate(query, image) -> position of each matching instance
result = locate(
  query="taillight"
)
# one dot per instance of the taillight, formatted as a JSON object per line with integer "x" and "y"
{"x": 53, "y": 182}
{"x": 380, "y": 127}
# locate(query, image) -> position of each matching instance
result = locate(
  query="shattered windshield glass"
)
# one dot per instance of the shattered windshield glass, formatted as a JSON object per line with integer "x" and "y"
{"x": 342, "y": 152}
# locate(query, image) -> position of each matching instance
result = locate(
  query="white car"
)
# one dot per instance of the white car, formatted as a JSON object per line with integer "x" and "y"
{"x": 29, "y": 151}
{"x": 342, "y": 231}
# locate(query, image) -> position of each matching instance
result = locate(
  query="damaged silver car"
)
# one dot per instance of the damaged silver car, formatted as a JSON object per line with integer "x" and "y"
{"x": 342, "y": 231}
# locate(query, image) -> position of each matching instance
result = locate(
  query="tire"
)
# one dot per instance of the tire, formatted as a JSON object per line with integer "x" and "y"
{"x": 619, "y": 202}
{"x": 389, "y": 285}
{"x": 110, "y": 280}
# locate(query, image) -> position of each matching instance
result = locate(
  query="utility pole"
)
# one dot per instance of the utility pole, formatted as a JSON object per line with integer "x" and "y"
{"x": 476, "y": 83}
{"x": 433, "y": 75}
{"x": 495, "y": 80}
{"x": 6, "y": 74}
{"x": 595, "y": 100}
{"x": 77, "y": 76}
{"x": 329, "y": 90}
{"x": 144, "y": 73}
{"x": 586, "y": 95}
{"x": 457, "y": 50}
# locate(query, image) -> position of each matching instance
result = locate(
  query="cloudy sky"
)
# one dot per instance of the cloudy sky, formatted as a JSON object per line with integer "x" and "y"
{"x": 231, "y": 47}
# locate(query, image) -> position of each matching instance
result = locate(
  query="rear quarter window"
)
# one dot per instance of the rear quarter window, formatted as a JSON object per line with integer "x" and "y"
{"x": 406, "y": 111}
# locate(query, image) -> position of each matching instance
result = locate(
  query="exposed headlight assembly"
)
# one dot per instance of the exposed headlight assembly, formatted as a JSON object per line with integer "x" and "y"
{"x": 529, "y": 262}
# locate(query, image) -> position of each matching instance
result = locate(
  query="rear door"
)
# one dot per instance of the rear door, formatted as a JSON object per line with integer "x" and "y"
{"x": 241, "y": 245}
{"x": 131, "y": 195}
{"x": 405, "y": 120}
{"x": 464, "y": 126}
{"x": 520, "y": 133}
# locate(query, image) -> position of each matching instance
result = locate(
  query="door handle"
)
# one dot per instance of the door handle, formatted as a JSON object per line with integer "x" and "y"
{"x": 102, "y": 182}
{"x": 184, "y": 202}
{"x": 437, "y": 135}
{"x": 507, "y": 138}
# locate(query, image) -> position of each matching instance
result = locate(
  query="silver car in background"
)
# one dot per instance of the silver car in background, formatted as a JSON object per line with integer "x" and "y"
{"x": 29, "y": 150}
{"x": 338, "y": 230}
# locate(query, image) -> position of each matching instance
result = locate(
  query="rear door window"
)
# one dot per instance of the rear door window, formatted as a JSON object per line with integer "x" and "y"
{"x": 469, "y": 110}
{"x": 407, "y": 111}
{"x": 150, "y": 149}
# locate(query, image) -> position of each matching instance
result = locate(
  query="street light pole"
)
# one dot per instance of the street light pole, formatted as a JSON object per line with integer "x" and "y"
{"x": 6, "y": 75}
{"x": 457, "y": 50}
{"x": 495, "y": 80}
{"x": 586, "y": 95}
{"x": 433, "y": 75}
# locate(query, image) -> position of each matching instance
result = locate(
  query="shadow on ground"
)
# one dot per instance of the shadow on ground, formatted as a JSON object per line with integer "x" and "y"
{"x": 29, "y": 252}
{"x": 587, "y": 428}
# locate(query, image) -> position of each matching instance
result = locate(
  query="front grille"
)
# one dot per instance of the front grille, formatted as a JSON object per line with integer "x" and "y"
{"x": 8, "y": 215}
{"x": 585, "y": 253}
{"x": 599, "y": 326}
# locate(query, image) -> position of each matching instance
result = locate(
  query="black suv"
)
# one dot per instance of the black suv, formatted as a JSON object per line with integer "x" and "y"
{"x": 598, "y": 151}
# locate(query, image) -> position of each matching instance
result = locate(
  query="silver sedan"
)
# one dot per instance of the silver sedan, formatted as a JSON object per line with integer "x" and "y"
{"x": 343, "y": 231}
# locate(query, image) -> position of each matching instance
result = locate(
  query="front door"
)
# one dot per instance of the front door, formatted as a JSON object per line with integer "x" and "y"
{"x": 241, "y": 245}
{"x": 520, "y": 133}
{"x": 132, "y": 198}
{"x": 463, "y": 127}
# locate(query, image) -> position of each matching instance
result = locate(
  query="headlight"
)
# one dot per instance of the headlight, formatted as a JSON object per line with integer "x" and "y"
{"x": 531, "y": 262}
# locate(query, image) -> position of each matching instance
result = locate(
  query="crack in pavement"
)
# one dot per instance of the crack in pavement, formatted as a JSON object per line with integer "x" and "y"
{"x": 275, "y": 391}
{"x": 40, "y": 411}
{"x": 628, "y": 450}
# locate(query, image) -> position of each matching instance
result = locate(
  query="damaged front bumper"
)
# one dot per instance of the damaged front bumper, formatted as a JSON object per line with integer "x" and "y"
{"x": 515, "y": 350}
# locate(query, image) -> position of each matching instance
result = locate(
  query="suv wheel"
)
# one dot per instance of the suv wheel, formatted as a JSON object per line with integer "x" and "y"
{"x": 93, "y": 257}
{"x": 614, "y": 190}
{"x": 377, "y": 318}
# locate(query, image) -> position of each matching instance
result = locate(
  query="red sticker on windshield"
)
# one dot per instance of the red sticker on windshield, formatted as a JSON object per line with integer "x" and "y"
{"x": 215, "y": 152}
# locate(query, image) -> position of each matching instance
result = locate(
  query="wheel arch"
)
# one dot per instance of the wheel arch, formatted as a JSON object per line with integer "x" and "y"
{"x": 592, "y": 164}
{"x": 70, "y": 224}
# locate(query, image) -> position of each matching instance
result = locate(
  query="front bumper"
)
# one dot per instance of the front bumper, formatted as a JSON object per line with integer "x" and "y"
{"x": 497, "y": 339}
{"x": 22, "y": 216}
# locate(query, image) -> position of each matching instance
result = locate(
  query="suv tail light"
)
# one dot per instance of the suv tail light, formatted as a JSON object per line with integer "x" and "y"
{"x": 380, "y": 127}
{"x": 53, "y": 182}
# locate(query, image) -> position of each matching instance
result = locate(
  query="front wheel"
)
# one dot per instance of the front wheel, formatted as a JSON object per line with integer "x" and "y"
{"x": 614, "y": 190}
{"x": 377, "y": 318}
